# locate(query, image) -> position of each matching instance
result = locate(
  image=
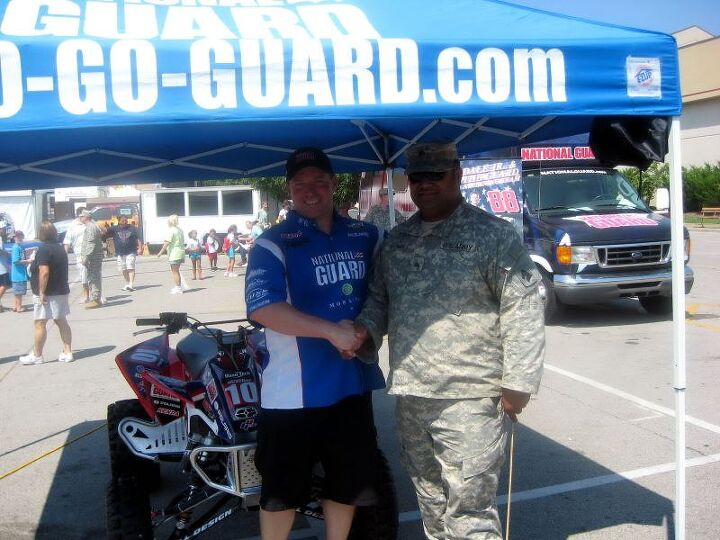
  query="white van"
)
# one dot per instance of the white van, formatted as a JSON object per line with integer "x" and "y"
{"x": 199, "y": 208}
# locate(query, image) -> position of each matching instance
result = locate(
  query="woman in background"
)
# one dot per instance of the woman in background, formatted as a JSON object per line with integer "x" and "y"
{"x": 174, "y": 245}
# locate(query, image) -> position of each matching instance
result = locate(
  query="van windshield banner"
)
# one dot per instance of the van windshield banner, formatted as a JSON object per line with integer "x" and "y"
{"x": 495, "y": 185}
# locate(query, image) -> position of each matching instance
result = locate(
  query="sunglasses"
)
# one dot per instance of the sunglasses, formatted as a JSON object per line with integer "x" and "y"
{"x": 416, "y": 178}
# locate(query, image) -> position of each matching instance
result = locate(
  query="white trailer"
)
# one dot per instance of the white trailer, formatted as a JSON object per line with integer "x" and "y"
{"x": 199, "y": 208}
{"x": 24, "y": 210}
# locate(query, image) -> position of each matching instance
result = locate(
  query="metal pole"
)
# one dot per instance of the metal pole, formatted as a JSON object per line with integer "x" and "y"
{"x": 678, "y": 295}
{"x": 391, "y": 195}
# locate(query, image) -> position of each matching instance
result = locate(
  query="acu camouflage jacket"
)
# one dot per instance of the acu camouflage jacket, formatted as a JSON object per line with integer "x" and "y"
{"x": 460, "y": 304}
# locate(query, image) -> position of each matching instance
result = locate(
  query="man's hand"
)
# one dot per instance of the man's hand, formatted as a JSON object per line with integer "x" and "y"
{"x": 43, "y": 298}
{"x": 361, "y": 335}
{"x": 513, "y": 402}
{"x": 342, "y": 335}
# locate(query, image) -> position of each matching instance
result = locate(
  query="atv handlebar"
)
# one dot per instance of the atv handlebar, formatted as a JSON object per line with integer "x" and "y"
{"x": 148, "y": 322}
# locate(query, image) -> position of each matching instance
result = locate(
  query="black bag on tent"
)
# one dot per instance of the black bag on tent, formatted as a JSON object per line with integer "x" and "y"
{"x": 633, "y": 141}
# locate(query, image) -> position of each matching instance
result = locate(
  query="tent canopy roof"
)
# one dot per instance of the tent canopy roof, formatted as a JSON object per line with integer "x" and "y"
{"x": 115, "y": 92}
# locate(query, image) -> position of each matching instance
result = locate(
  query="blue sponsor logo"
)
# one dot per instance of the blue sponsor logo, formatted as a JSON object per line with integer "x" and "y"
{"x": 644, "y": 76}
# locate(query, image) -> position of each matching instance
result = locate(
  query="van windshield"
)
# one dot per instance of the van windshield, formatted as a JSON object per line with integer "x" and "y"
{"x": 578, "y": 190}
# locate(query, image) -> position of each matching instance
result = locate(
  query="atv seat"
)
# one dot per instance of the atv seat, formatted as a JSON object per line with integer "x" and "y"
{"x": 198, "y": 348}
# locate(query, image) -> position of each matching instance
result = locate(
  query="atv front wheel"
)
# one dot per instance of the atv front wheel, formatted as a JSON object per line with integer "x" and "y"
{"x": 128, "y": 510}
{"x": 378, "y": 522}
{"x": 122, "y": 461}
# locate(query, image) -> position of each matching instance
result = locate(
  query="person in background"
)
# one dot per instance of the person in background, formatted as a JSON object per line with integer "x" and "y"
{"x": 5, "y": 264}
{"x": 212, "y": 246}
{"x": 256, "y": 230}
{"x": 457, "y": 294}
{"x": 174, "y": 245}
{"x": 194, "y": 250}
{"x": 49, "y": 282}
{"x": 91, "y": 256}
{"x": 379, "y": 215}
{"x": 73, "y": 242}
{"x": 229, "y": 245}
{"x": 263, "y": 217}
{"x": 282, "y": 215}
{"x": 126, "y": 240}
{"x": 19, "y": 272}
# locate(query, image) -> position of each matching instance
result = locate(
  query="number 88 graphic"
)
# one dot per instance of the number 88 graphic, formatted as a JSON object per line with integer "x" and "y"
{"x": 503, "y": 202}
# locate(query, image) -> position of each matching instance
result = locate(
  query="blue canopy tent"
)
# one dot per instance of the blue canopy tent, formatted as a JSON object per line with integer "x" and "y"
{"x": 129, "y": 91}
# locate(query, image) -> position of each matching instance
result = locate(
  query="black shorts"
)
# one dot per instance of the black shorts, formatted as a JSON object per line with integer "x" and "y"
{"x": 341, "y": 438}
{"x": 5, "y": 280}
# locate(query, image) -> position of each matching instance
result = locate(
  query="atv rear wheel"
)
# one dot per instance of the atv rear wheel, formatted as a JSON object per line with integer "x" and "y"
{"x": 122, "y": 461}
{"x": 128, "y": 510}
{"x": 379, "y": 522}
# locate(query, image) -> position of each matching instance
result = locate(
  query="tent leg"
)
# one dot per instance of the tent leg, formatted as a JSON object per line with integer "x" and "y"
{"x": 678, "y": 292}
{"x": 391, "y": 195}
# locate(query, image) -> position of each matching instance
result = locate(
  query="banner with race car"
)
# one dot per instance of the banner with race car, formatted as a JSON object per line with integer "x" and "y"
{"x": 495, "y": 185}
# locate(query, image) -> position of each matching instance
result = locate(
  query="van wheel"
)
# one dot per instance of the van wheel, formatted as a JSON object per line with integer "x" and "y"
{"x": 546, "y": 288}
{"x": 657, "y": 305}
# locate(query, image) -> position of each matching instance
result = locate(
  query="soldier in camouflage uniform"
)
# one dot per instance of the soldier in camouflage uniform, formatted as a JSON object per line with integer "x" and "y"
{"x": 457, "y": 294}
{"x": 91, "y": 256}
{"x": 380, "y": 215}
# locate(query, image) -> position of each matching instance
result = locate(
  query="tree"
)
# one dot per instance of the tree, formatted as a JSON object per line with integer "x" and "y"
{"x": 276, "y": 186}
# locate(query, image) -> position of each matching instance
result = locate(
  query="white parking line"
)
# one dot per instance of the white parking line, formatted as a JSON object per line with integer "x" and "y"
{"x": 539, "y": 493}
{"x": 596, "y": 481}
{"x": 639, "y": 401}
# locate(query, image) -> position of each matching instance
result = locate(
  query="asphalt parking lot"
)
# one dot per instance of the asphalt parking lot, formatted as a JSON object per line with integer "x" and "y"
{"x": 594, "y": 451}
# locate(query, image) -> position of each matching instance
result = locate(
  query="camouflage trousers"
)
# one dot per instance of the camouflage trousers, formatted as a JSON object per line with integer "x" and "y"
{"x": 453, "y": 451}
{"x": 94, "y": 278}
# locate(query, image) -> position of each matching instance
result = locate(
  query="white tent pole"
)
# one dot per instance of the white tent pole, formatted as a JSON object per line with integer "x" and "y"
{"x": 389, "y": 185}
{"x": 391, "y": 195}
{"x": 678, "y": 295}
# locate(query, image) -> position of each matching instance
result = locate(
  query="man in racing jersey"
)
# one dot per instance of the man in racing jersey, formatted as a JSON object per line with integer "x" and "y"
{"x": 306, "y": 281}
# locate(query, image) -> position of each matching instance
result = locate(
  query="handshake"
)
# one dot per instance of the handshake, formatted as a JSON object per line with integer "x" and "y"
{"x": 347, "y": 337}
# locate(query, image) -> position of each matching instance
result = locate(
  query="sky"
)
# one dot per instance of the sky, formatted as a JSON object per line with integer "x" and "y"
{"x": 663, "y": 15}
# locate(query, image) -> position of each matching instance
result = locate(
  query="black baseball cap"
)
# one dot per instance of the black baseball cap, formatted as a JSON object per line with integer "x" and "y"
{"x": 307, "y": 157}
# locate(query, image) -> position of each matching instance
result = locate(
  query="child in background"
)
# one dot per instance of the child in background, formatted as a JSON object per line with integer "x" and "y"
{"x": 212, "y": 246}
{"x": 229, "y": 245}
{"x": 19, "y": 273}
{"x": 194, "y": 249}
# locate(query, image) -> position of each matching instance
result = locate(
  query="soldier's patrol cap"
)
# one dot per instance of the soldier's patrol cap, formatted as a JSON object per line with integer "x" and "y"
{"x": 431, "y": 157}
{"x": 307, "y": 157}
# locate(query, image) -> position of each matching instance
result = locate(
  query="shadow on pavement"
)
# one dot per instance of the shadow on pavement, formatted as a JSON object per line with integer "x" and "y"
{"x": 92, "y": 351}
{"x": 618, "y": 313}
{"x": 77, "y": 353}
{"x": 75, "y": 506}
{"x": 541, "y": 462}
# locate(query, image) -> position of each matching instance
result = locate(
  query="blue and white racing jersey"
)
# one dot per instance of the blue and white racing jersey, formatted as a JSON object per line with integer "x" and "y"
{"x": 322, "y": 275}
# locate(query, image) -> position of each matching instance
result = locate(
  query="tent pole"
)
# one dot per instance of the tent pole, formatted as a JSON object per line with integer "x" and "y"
{"x": 391, "y": 195}
{"x": 678, "y": 295}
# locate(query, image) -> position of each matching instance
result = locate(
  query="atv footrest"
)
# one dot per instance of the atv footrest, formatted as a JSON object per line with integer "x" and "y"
{"x": 149, "y": 440}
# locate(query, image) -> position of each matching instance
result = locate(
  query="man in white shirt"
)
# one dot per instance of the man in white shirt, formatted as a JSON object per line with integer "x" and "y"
{"x": 74, "y": 239}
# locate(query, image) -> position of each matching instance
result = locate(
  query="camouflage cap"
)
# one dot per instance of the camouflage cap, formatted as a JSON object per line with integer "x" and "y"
{"x": 431, "y": 157}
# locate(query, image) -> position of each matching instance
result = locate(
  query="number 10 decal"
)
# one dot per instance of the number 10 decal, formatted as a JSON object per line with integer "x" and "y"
{"x": 503, "y": 202}
{"x": 242, "y": 393}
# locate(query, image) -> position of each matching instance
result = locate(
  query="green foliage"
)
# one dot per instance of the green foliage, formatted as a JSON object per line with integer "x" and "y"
{"x": 276, "y": 186}
{"x": 656, "y": 176}
{"x": 701, "y": 184}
